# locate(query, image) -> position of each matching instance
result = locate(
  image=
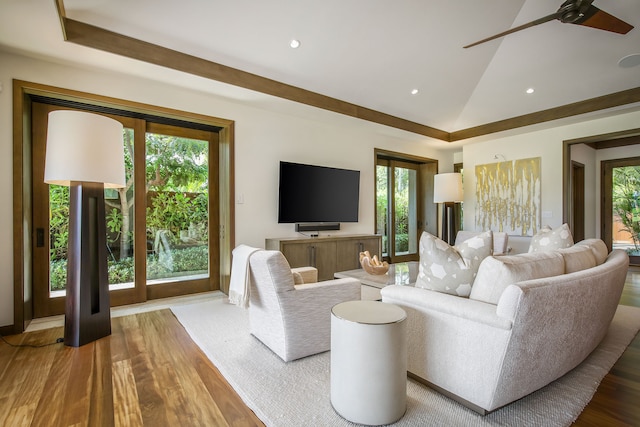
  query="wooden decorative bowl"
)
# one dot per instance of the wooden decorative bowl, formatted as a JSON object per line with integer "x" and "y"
{"x": 370, "y": 268}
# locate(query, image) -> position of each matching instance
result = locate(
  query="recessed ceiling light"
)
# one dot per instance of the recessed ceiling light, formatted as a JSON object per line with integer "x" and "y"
{"x": 414, "y": 92}
{"x": 530, "y": 90}
{"x": 294, "y": 44}
{"x": 630, "y": 61}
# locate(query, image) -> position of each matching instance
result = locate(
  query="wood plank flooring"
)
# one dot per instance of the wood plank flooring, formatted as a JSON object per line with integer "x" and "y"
{"x": 147, "y": 373}
{"x": 150, "y": 373}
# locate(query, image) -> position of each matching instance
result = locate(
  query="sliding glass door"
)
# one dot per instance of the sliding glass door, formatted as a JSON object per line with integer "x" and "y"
{"x": 158, "y": 241}
{"x": 621, "y": 210}
{"x": 397, "y": 209}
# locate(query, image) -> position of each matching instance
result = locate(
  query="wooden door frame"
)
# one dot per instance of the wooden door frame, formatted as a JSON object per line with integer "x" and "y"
{"x": 23, "y": 94}
{"x": 577, "y": 200}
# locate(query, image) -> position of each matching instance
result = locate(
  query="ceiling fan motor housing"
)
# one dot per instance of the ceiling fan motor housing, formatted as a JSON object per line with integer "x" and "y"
{"x": 573, "y": 10}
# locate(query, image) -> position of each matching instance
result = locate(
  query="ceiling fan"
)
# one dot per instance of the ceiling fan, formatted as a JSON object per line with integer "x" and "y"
{"x": 579, "y": 12}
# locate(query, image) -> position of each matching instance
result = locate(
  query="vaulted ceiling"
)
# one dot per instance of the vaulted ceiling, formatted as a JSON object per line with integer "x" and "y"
{"x": 358, "y": 57}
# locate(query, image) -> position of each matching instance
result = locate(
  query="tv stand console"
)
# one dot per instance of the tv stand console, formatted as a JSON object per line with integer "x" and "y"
{"x": 326, "y": 253}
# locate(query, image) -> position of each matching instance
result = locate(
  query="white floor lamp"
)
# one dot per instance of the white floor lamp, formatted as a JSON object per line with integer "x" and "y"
{"x": 447, "y": 189}
{"x": 85, "y": 152}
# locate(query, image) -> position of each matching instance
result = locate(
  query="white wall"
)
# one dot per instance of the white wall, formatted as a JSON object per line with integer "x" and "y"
{"x": 263, "y": 138}
{"x": 547, "y": 144}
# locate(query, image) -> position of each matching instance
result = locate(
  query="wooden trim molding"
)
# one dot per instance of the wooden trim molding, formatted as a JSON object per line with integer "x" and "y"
{"x": 109, "y": 41}
{"x": 575, "y": 109}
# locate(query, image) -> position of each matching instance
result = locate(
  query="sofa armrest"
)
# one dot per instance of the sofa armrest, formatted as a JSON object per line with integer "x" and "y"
{"x": 308, "y": 274}
{"x": 425, "y": 299}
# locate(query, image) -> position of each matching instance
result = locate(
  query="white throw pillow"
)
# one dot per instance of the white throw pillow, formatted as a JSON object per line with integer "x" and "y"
{"x": 547, "y": 239}
{"x": 496, "y": 273}
{"x": 451, "y": 269}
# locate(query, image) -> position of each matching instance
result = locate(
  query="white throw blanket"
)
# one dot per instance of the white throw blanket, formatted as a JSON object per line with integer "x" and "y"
{"x": 240, "y": 277}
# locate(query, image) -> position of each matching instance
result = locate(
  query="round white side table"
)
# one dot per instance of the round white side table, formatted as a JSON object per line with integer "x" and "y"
{"x": 369, "y": 362}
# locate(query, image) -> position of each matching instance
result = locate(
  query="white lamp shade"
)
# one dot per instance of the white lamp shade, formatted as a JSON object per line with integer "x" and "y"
{"x": 84, "y": 147}
{"x": 447, "y": 187}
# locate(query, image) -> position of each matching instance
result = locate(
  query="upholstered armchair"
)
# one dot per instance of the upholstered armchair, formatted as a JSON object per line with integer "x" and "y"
{"x": 293, "y": 320}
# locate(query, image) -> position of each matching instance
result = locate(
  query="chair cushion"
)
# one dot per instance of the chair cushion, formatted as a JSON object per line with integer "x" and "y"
{"x": 547, "y": 239}
{"x": 451, "y": 269}
{"x": 496, "y": 273}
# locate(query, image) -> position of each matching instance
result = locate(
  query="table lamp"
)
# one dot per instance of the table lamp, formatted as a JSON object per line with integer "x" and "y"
{"x": 85, "y": 152}
{"x": 447, "y": 189}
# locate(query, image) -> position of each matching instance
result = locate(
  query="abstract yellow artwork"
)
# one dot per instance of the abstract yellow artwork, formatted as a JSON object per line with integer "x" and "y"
{"x": 508, "y": 196}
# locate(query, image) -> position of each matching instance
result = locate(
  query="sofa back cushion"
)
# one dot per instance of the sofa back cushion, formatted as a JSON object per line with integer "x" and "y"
{"x": 577, "y": 258}
{"x": 547, "y": 239}
{"x": 451, "y": 269}
{"x": 500, "y": 240}
{"x": 496, "y": 273}
{"x": 598, "y": 247}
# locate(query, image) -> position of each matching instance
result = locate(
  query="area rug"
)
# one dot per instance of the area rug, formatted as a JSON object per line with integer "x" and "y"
{"x": 298, "y": 393}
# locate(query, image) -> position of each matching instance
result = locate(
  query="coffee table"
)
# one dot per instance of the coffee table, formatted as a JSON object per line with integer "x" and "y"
{"x": 402, "y": 273}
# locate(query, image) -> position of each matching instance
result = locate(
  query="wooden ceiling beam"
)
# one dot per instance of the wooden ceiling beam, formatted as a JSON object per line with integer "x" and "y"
{"x": 582, "y": 107}
{"x": 109, "y": 41}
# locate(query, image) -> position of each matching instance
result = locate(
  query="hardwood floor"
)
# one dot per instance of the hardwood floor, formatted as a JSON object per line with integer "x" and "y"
{"x": 149, "y": 372}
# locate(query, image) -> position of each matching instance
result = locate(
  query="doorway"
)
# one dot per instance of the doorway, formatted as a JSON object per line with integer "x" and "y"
{"x": 404, "y": 203}
{"x": 620, "y": 189}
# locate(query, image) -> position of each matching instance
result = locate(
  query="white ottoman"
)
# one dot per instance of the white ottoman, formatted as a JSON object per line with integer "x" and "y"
{"x": 369, "y": 362}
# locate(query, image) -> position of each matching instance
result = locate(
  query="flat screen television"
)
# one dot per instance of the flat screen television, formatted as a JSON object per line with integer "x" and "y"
{"x": 317, "y": 194}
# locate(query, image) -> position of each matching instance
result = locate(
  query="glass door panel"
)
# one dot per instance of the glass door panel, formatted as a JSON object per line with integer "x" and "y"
{"x": 177, "y": 214}
{"x": 625, "y": 226}
{"x": 382, "y": 203}
{"x": 405, "y": 206}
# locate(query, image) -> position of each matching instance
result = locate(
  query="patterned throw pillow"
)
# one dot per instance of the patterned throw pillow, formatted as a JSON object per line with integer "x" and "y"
{"x": 547, "y": 239}
{"x": 451, "y": 269}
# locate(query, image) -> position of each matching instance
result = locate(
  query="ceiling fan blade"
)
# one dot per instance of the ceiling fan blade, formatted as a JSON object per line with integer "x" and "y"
{"x": 521, "y": 27}
{"x": 596, "y": 18}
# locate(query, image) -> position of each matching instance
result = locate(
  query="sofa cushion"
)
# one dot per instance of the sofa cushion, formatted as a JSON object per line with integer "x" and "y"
{"x": 547, "y": 239}
{"x": 496, "y": 273}
{"x": 598, "y": 247}
{"x": 451, "y": 269}
{"x": 577, "y": 258}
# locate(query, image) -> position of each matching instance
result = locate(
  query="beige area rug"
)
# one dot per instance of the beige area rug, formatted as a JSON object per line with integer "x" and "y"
{"x": 297, "y": 393}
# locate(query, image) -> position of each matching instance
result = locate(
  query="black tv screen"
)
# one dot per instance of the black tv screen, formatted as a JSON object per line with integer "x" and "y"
{"x": 317, "y": 194}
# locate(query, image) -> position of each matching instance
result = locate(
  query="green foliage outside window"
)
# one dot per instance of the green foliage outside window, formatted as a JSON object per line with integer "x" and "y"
{"x": 626, "y": 202}
{"x": 177, "y": 181}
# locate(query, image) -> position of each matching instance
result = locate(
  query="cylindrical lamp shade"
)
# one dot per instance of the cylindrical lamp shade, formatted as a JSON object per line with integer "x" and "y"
{"x": 84, "y": 147}
{"x": 447, "y": 187}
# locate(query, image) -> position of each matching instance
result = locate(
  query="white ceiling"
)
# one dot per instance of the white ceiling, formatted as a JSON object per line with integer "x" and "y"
{"x": 367, "y": 52}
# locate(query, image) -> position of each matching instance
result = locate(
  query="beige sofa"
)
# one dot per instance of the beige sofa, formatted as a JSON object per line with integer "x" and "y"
{"x": 512, "y": 336}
